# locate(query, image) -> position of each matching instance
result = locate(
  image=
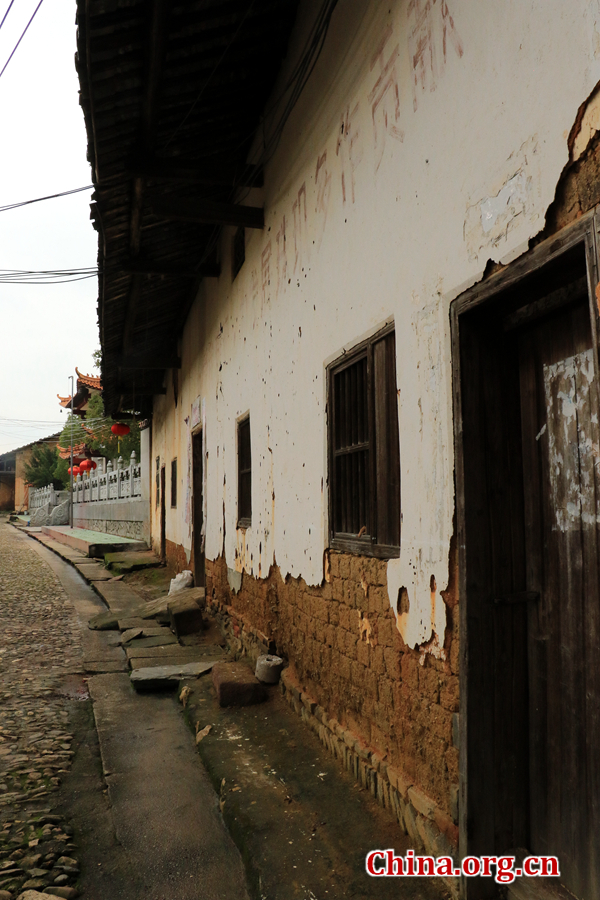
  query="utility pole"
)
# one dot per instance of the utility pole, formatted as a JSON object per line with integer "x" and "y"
{"x": 71, "y": 504}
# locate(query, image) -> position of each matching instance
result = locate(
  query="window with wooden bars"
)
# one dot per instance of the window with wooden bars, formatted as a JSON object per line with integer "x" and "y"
{"x": 364, "y": 449}
{"x": 173, "y": 482}
{"x": 244, "y": 474}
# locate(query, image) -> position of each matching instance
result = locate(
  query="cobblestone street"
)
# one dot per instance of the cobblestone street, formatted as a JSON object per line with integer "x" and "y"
{"x": 40, "y": 662}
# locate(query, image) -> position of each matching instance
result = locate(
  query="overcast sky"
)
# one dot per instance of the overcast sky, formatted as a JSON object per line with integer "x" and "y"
{"x": 45, "y": 330}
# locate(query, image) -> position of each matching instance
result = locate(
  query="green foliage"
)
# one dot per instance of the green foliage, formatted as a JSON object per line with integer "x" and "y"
{"x": 40, "y": 471}
{"x": 104, "y": 441}
{"x": 97, "y": 357}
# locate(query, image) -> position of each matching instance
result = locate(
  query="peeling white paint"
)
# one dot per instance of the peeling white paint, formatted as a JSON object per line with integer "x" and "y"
{"x": 572, "y": 454}
{"x": 388, "y": 220}
{"x": 491, "y": 219}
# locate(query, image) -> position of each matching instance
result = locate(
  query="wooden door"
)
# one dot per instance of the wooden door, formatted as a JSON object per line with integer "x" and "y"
{"x": 163, "y": 513}
{"x": 198, "y": 509}
{"x": 561, "y": 468}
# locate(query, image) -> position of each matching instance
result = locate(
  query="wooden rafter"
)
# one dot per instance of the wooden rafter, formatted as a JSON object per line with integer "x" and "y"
{"x": 209, "y": 212}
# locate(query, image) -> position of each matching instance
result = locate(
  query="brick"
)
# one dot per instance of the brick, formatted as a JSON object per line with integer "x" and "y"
{"x": 334, "y": 563}
{"x": 429, "y": 684}
{"x": 358, "y": 674}
{"x": 236, "y": 685}
{"x": 363, "y": 653}
{"x": 378, "y": 661}
{"x": 345, "y": 668}
{"x": 392, "y": 662}
{"x": 421, "y": 802}
{"x": 384, "y": 689}
{"x": 344, "y": 566}
{"x": 378, "y": 600}
{"x": 449, "y": 693}
{"x": 384, "y": 632}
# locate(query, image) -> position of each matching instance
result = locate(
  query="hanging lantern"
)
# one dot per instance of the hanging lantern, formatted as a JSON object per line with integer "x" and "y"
{"x": 120, "y": 429}
{"x": 76, "y": 470}
{"x": 93, "y": 464}
{"x": 85, "y": 465}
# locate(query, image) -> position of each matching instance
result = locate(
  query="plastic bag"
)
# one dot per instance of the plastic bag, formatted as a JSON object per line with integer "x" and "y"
{"x": 184, "y": 580}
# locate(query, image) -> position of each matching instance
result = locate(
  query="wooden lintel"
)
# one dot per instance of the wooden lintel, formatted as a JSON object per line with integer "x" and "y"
{"x": 208, "y": 172}
{"x": 208, "y": 212}
{"x": 142, "y": 266}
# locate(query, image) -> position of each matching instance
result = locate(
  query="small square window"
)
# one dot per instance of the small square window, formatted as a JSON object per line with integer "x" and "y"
{"x": 244, "y": 474}
{"x": 173, "y": 482}
{"x": 238, "y": 251}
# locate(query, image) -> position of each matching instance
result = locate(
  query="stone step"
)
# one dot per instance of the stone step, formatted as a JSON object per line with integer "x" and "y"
{"x": 163, "y": 677}
{"x": 92, "y": 543}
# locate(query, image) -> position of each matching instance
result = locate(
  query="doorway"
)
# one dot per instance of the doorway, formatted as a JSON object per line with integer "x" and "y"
{"x": 163, "y": 513}
{"x": 528, "y": 500}
{"x": 198, "y": 508}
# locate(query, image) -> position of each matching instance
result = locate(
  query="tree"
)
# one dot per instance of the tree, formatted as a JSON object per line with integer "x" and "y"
{"x": 40, "y": 471}
{"x": 97, "y": 357}
{"x": 101, "y": 437}
{"x": 104, "y": 440}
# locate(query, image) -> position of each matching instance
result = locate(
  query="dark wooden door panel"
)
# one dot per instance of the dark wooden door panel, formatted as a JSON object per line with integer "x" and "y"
{"x": 559, "y": 414}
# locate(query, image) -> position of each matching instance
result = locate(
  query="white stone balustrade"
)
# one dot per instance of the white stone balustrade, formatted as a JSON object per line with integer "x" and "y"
{"x": 41, "y": 496}
{"x": 117, "y": 483}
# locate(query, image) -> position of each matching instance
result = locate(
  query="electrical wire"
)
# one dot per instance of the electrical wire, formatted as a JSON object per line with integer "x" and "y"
{"x": 21, "y": 38}
{"x": 88, "y": 187}
{"x": 6, "y": 13}
{"x": 47, "y": 276}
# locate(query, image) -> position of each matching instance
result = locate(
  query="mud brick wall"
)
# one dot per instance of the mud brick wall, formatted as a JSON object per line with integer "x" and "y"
{"x": 347, "y": 658}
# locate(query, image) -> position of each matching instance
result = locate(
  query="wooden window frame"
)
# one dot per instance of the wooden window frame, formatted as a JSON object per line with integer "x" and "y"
{"x": 174, "y": 483}
{"x": 381, "y": 490}
{"x": 244, "y": 515}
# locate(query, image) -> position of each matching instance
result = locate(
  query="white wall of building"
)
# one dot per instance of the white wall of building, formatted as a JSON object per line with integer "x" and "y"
{"x": 429, "y": 140}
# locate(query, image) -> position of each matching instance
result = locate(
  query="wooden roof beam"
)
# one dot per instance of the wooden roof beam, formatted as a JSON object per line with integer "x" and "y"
{"x": 151, "y": 362}
{"x": 143, "y": 266}
{"x": 208, "y": 172}
{"x": 208, "y": 212}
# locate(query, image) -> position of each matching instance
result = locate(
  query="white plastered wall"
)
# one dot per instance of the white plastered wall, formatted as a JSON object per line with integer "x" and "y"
{"x": 429, "y": 140}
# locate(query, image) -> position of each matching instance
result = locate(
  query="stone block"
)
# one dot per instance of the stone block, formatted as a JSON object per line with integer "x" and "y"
{"x": 167, "y": 677}
{"x": 236, "y": 685}
{"x": 158, "y": 640}
{"x": 106, "y": 621}
{"x": 185, "y": 611}
{"x": 421, "y": 802}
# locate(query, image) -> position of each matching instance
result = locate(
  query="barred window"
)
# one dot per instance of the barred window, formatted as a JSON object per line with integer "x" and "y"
{"x": 173, "y": 482}
{"x": 244, "y": 474}
{"x": 364, "y": 449}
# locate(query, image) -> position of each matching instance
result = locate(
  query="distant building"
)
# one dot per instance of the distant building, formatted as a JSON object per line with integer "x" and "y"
{"x": 14, "y": 489}
{"x": 86, "y": 386}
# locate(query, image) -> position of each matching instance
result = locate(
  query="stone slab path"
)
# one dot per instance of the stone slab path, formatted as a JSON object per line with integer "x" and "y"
{"x": 149, "y": 830}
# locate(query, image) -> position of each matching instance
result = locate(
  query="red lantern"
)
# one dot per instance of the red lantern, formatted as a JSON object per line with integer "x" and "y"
{"x": 76, "y": 470}
{"x": 85, "y": 465}
{"x": 93, "y": 464}
{"x": 120, "y": 428}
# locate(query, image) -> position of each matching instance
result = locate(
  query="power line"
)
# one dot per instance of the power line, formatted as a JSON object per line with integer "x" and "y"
{"x": 21, "y": 38}
{"x": 6, "y": 13}
{"x": 47, "y": 276}
{"x": 88, "y": 187}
